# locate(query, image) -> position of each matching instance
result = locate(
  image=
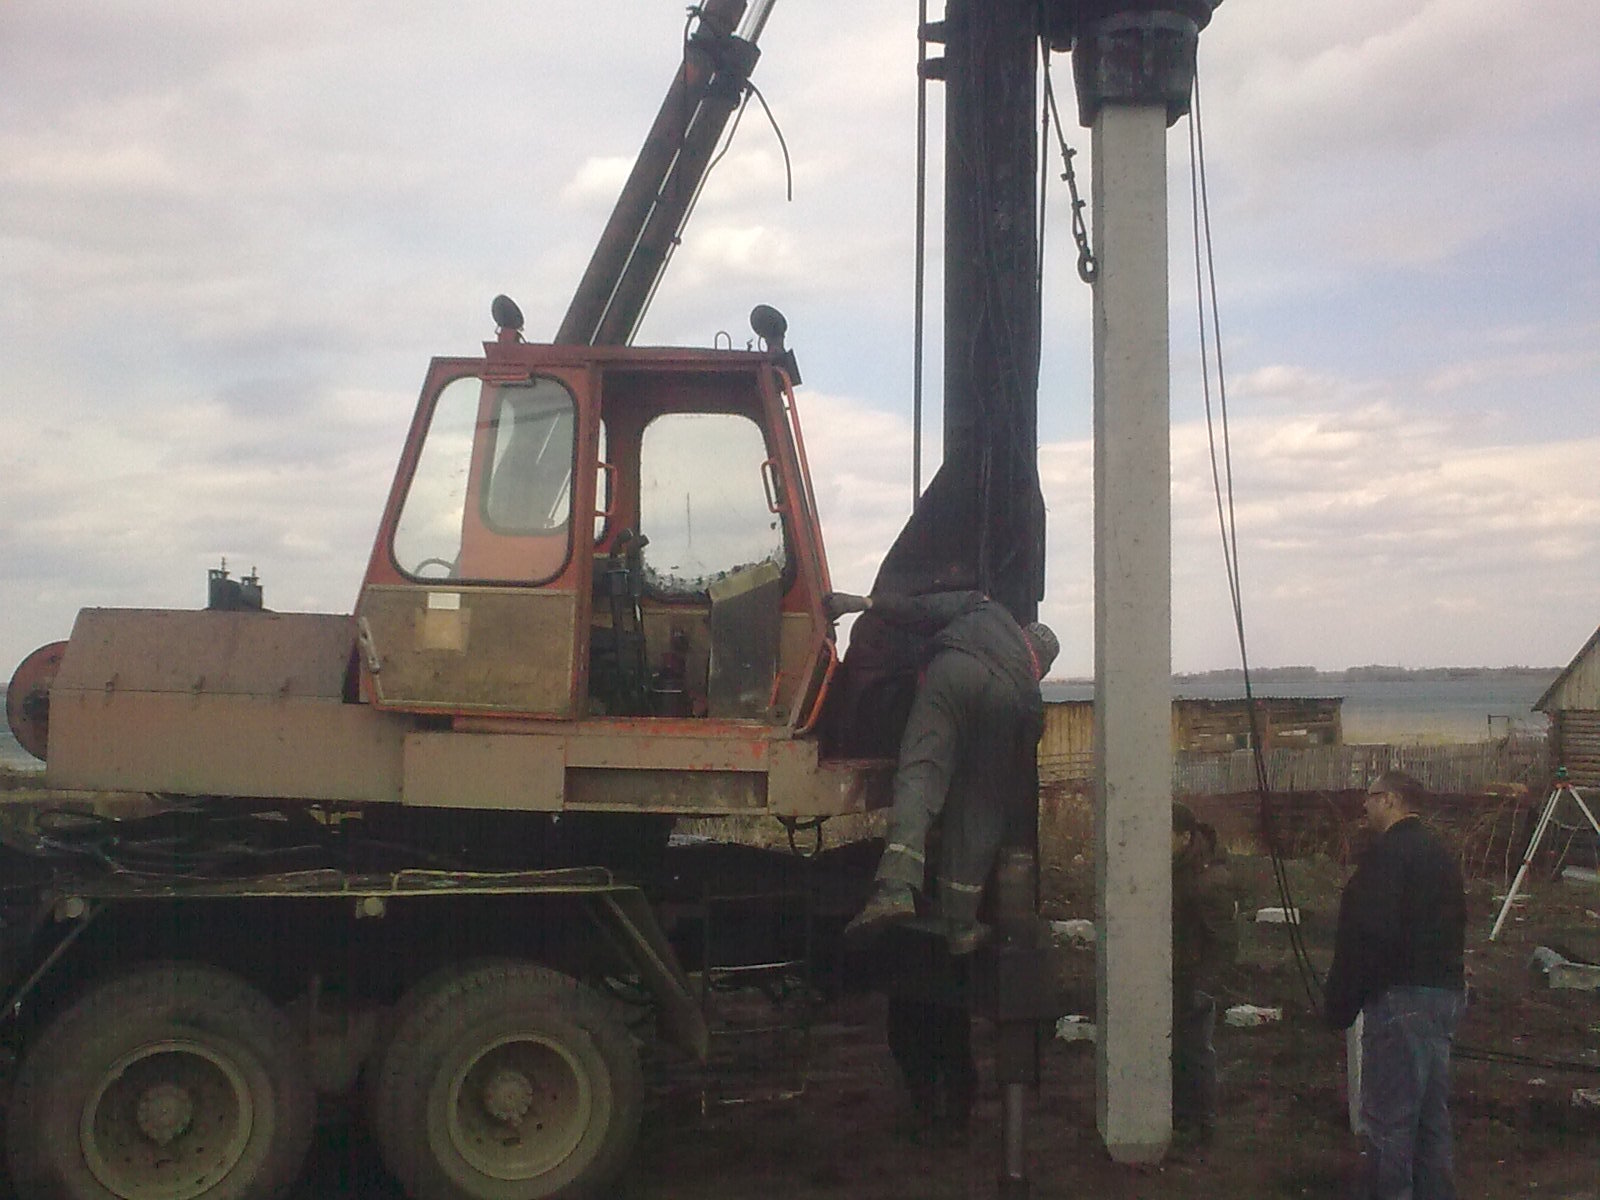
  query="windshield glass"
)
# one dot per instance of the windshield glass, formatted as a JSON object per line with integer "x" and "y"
{"x": 702, "y": 501}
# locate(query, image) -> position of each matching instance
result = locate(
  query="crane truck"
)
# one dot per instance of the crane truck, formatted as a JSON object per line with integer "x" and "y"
{"x": 421, "y": 853}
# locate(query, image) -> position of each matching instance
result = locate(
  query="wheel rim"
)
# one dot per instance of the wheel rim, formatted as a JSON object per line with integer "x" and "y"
{"x": 168, "y": 1121}
{"x": 519, "y": 1107}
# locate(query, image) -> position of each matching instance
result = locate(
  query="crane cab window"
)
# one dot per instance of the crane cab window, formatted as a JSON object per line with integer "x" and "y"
{"x": 528, "y": 489}
{"x": 703, "y": 502}
{"x": 491, "y": 496}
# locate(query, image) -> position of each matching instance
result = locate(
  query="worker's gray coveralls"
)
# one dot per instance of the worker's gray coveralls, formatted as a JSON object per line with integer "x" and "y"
{"x": 968, "y": 750}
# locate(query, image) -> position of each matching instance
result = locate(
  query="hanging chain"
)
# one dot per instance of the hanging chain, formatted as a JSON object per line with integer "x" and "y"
{"x": 1088, "y": 267}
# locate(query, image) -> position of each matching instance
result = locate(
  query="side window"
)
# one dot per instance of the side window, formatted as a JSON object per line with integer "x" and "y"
{"x": 507, "y": 518}
{"x": 529, "y": 486}
{"x": 702, "y": 501}
{"x": 427, "y": 538}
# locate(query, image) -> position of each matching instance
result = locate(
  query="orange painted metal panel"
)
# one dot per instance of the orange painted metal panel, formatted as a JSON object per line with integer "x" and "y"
{"x": 294, "y": 747}
{"x": 209, "y": 653}
{"x": 516, "y": 772}
{"x": 461, "y": 649}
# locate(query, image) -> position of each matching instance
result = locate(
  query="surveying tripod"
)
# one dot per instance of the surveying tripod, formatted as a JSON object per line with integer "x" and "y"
{"x": 1562, "y": 788}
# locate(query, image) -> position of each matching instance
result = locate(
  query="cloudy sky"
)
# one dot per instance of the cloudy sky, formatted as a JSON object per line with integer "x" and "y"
{"x": 231, "y": 236}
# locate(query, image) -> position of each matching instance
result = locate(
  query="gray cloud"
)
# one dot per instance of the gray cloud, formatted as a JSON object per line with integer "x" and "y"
{"x": 231, "y": 237}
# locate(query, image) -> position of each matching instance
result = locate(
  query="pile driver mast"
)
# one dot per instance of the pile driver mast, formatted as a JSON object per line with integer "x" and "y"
{"x": 981, "y": 521}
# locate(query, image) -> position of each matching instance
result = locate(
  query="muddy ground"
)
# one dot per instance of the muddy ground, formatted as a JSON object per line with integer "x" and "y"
{"x": 1283, "y": 1130}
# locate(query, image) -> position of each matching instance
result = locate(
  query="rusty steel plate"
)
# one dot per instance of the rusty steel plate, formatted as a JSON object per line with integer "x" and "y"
{"x": 28, "y": 698}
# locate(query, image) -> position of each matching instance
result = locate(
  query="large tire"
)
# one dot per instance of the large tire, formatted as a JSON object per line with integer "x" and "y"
{"x": 176, "y": 1082}
{"x": 507, "y": 1081}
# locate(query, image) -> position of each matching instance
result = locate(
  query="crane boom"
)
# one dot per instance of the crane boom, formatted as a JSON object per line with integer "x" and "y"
{"x": 650, "y": 213}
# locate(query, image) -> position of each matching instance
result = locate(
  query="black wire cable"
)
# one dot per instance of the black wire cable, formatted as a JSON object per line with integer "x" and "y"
{"x": 1508, "y": 1058}
{"x": 1222, "y": 486}
{"x": 919, "y": 298}
{"x": 783, "y": 145}
{"x": 1222, "y": 482}
{"x": 750, "y": 89}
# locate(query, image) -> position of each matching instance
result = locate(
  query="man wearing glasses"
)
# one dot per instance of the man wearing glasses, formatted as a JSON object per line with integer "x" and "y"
{"x": 1397, "y": 960}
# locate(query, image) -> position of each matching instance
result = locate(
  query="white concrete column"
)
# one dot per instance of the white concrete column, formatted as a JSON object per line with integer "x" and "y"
{"x": 1133, "y": 632}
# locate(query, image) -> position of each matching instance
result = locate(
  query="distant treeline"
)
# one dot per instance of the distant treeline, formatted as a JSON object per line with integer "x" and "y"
{"x": 1372, "y": 673}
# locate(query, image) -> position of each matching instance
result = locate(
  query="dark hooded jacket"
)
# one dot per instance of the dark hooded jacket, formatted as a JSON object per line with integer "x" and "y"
{"x": 1205, "y": 933}
{"x": 1402, "y": 922}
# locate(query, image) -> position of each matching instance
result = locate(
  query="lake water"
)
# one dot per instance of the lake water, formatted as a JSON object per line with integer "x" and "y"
{"x": 14, "y": 756}
{"x": 1400, "y": 711}
{"x": 1411, "y": 710}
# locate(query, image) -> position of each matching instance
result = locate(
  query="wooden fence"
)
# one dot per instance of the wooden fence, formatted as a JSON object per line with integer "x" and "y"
{"x": 1456, "y": 768}
{"x": 1066, "y": 759}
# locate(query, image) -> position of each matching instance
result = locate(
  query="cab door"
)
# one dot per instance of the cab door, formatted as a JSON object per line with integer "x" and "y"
{"x": 474, "y": 596}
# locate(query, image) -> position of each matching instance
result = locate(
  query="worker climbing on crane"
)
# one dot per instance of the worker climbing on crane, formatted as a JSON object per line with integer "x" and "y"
{"x": 965, "y": 758}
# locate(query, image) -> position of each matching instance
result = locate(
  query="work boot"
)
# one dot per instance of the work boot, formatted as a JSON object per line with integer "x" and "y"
{"x": 889, "y": 903}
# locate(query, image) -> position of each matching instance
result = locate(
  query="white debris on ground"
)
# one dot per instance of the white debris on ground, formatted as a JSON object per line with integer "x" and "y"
{"x": 1077, "y": 932}
{"x": 1558, "y": 971}
{"x": 1077, "y": 1028}
{"x": 1074, "y": 1028}
{"x": 1586, "y": 1097}
{"x": 1247, "y": 1015}
{"x": 1278, "y": 916}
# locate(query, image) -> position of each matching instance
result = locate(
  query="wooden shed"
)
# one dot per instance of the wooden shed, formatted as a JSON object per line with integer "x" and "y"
{"x": 1283, "y": 722}
{"x": 1572, "y": 703}
{"x": 1066, "y": 751}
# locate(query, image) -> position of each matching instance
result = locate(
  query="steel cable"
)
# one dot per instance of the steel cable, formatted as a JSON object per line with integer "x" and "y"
{"x": 1222, "y": 483}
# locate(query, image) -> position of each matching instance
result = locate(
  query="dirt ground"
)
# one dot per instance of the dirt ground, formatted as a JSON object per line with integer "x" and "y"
{"x": 1283, "y": 1131}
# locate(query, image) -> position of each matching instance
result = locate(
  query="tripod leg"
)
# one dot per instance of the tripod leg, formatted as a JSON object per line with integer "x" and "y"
{"x": 1527, "y": 860}
{"x": 1587, "y": 811}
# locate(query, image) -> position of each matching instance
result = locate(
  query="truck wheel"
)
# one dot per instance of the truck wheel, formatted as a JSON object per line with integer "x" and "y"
{"x": 508, "y": 1082}
{"x": 175, "y": 1082}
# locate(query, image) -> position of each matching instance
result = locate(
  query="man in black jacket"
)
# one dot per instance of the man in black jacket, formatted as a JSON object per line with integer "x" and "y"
{"x": 1397, "y": 960}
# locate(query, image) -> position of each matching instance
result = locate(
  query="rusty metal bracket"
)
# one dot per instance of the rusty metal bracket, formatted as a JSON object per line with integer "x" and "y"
{"x": 627, "y": 916}
{"x": 13, "y": 1003}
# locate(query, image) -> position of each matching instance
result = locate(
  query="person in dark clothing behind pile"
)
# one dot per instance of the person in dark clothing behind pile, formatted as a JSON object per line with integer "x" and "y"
{"x": 1398, "y": 961}
{"x": 966, "y": 755}
{"x": 1205, "y": 939}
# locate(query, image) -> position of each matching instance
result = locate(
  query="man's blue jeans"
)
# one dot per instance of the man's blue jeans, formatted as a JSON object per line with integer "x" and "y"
{"x": 1405, "y": 1092}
